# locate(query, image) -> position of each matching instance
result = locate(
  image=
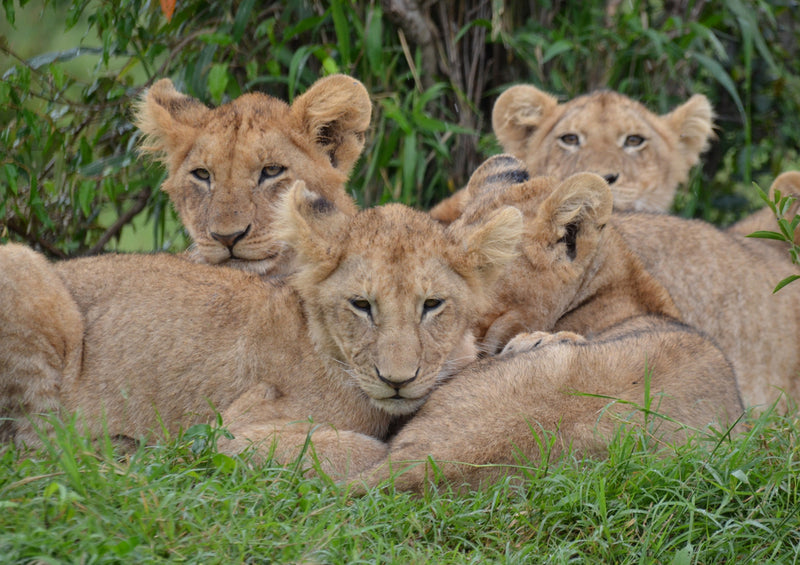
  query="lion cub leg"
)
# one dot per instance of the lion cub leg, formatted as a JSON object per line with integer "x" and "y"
{"x": 257, "y": 420}
{"x": 41, "y": 339}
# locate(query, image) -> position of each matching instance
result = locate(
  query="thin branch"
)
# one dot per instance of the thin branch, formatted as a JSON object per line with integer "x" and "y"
{"x": 18, "y": 228}
{"x": 138, "y": 205}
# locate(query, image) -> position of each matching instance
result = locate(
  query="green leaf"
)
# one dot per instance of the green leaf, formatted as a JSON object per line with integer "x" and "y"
{"x": 11, "y": 178}
{"x": 223, "y": 463}
{"x": 342, "y": 30}
{"x": 217, "y": 81}
{"x": 86, "y": 193}
{"x": 682, "y": 556}
{"x": 723, "y": 78}
{"x": 242, "y": 17}
{"x": 373, "y": 42}
{"x": 767, "y": 235}
{"x": 785, "y": 281}
{"x": 555, "y": 49}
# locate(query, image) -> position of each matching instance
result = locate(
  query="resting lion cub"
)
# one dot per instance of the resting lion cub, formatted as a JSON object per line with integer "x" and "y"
{"x": 643, "y": 156}
{"x": 500, "y": 412}
{"x": 379, "y": 311}
{"x": 581, "y": 271}
{"x": 228, "y": 166}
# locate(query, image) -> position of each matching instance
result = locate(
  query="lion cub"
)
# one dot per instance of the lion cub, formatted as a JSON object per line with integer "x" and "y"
{"x": 643, "y": 156}
{"x": 228, "y": 166}
{"x": 583, "y": 269}
{"x": 550, "y": 392}
{"x": 379, "y": 311}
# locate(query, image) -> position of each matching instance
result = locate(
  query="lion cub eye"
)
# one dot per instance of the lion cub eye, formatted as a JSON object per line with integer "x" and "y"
{"x": 431, "y": 304}
{"x": 570, "y": 139}
{"x": 362, "y": 305}
{"x": 201, "y": 174}
{"x": 270, "y": 172}
{"x": 633, "y": 141}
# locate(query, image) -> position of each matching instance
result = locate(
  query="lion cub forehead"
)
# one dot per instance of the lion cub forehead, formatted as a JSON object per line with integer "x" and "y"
{"x": 606, "y": 108}
{"x": 252, "y": 111}
{"x": 397, "y": 233}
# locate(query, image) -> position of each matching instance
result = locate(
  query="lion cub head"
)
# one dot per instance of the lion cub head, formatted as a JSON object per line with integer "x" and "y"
{"x": 391, "y": 296}
{"x": 642, "y": 156}
{"x": 228, "y": 166}
{"x": 573, "y": 271}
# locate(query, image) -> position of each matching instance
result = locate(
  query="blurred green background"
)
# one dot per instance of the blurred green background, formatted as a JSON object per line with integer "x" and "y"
{"x": 71, "y": 182}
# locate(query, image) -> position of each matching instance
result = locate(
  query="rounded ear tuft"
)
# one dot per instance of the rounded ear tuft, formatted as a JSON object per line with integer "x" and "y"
{"x": 518, "y": 113}
{"x": 335, "y": 112}
{"x": 496, "y": 173}
{"x": 582, "y": 201}
{"x": 167, "y": 118}
{"x": 491, "y": 245}
{"x": 693, "y": 122}
{"x": 309, "y": 224}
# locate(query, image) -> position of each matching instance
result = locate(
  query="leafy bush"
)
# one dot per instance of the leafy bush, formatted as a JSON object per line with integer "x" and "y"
{"x": 72, "y": 182}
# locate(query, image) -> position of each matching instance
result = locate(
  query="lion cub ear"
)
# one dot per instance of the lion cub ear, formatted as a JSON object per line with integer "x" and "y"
{"x": 167, "y": 118}
{"x": 495, "y": 174}
{"x": 579, "y": 206}
{"x": 311, "y": 226}
{"x": 693, "y": 123}
{"x": 489, "y": 245}
{"x": 335, "y": 112}
{"x": 518, "y": 113}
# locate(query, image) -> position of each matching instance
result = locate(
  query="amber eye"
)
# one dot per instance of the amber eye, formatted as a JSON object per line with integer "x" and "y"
{"x": 570, "y": 139}
{"x": 431, "y": 304}
{"x": 361, "y": 304}
{"x": 634, "y": 141}
{"x": 201, "y": 174}
{"x": 270, "y": 172}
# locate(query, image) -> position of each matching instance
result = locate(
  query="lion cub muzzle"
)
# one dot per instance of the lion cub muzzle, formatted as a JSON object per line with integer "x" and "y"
{"x": 229, "y": 240}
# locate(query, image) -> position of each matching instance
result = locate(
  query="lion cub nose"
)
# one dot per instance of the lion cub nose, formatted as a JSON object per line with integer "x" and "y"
{"x": 230, "y": 239}
{"x": 395, "y": 382}
{"x": 611, "y": 178}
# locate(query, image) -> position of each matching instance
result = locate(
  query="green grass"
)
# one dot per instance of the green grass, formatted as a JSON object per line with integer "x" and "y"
{"x": 181, "y": 502}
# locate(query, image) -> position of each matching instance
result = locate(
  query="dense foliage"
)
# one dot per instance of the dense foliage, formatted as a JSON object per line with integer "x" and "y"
{"x": 71, "y": 180}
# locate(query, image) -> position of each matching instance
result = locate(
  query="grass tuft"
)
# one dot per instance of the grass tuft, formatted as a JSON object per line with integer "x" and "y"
{"x": 709, "y": 501}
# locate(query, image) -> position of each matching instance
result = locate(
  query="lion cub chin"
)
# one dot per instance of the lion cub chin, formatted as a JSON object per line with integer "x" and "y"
{"x": 227, "y": 167}
{"x": 378, "y": 313}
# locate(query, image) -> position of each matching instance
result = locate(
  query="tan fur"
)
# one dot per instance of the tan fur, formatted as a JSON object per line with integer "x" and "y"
{"x": 718, "y": 283}
{"x": 228, "y": 166}
{"x": 501, "y": 412}
{"x": 545, "y": 288}
{"x": 379, "y": 312}
{"x": 788, "y": 184}
{"x": 600, "y": 133}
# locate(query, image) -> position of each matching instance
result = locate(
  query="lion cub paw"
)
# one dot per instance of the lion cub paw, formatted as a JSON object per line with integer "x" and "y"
{"x": 529, "y": 341}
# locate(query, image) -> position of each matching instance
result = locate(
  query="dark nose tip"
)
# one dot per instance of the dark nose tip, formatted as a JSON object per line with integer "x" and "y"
{"x": 397, "y": 385}
{"x": 230, "y": 239}
{"x": 611, "y": 178}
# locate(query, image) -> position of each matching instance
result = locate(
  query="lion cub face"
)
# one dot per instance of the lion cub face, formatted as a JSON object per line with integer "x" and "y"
{"x": 563, "y": 230}
{"x": 391, "y": 296}
{"x": 227, "y": 167}
{"x": 643, "y": 156}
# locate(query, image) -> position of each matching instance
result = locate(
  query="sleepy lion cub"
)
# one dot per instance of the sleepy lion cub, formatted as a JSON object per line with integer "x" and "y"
{"x": 378, "y": 313}
{"x": 619, "y": 344}
{"x": 643, "y": 156}
{"x": 551, "y": 392}
{"x": 583, "y": 269}
{"x": 228, "y": 166}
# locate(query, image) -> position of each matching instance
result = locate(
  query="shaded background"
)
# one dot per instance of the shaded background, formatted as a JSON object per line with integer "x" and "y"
{"x": 71, "y": 182}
